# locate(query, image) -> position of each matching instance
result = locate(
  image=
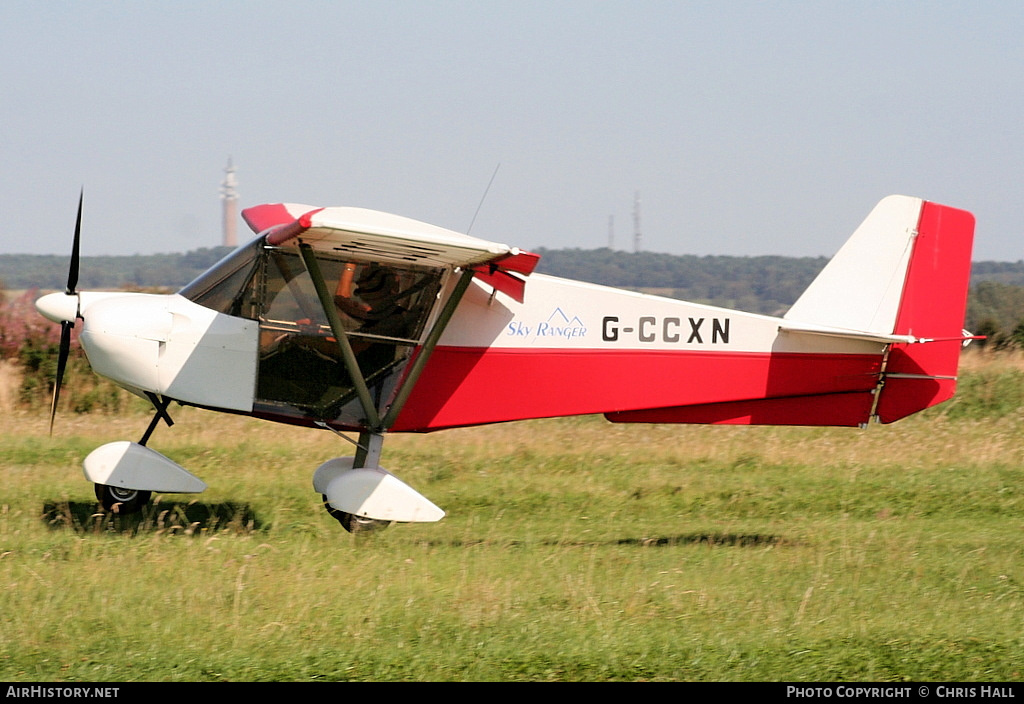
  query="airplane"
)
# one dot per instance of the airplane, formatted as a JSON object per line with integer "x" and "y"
{"x": 362, "y": 322}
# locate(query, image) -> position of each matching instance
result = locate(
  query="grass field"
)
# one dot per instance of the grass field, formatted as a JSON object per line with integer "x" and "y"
{"x": 573, "y": 549}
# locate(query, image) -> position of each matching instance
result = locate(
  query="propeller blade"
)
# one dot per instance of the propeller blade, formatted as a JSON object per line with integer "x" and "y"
{"x": 66, "y": 325}
{"x": 73, "y": 269}
{"x": 62, "y": 361}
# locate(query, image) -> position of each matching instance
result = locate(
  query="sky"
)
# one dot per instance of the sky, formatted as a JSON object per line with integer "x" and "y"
{"x": 745, "y": 128}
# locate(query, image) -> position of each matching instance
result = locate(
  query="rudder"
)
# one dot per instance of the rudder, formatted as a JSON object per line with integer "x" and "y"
{"x": 931, "y": 309}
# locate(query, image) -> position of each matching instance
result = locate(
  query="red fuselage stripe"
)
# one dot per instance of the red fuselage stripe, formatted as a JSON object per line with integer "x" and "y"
{"x": 470, "y": 385}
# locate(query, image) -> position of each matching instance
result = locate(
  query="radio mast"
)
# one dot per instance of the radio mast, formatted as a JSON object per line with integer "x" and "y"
{"x": 637, "y": 237}
{"x": 229, "y": 198}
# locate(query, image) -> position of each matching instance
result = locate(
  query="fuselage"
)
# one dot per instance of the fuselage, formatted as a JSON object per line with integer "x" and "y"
{"x": 570, "y": 348}
{"x": 576, "y": 348}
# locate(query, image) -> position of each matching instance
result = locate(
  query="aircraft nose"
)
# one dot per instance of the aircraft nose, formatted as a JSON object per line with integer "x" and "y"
{"x": 58, "y": 307}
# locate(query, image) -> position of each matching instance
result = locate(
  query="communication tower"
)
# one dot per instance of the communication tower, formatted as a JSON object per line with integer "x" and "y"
{"x": 229, "y": 198}
{"x": 637, "y": 237}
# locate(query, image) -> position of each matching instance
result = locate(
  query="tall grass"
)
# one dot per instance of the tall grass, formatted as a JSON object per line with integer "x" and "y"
{"x": 573, "y": 549}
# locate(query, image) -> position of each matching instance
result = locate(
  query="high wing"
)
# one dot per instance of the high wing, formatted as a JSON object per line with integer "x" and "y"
{"x": 373, "y": 236}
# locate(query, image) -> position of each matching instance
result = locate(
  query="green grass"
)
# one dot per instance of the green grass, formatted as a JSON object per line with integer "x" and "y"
{"x": 573, "y": 549}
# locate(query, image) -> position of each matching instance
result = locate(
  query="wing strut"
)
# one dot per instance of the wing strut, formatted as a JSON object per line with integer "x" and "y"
{"x": 349, "y": 357}
{"x": 375, "y": 424}
{"x": 428, "y": 347}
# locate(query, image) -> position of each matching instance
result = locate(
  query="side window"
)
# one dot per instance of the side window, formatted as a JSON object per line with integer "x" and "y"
{"x": 287, "y": 296}
{"x": 383, "y": 310}
{"x": 300, "y": 363}
{"x": 385, "y": 302}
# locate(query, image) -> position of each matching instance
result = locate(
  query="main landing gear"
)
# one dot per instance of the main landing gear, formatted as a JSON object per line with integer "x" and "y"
{"x": 353, "y": 523}
{"x": 367, "y": 449}
{"x": 360, "y": 494}
{"x": 121, "y": 501}
{"x": 363, "y": 496}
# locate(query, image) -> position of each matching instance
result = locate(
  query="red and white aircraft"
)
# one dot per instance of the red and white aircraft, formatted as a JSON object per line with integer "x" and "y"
{"x": 360, "y": 321}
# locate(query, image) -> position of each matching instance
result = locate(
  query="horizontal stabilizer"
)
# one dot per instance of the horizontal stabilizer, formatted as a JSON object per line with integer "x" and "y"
{"x": 846, "y": 334}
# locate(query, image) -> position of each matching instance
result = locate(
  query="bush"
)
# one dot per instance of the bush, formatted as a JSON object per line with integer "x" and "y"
{"x": 32, "y": 344}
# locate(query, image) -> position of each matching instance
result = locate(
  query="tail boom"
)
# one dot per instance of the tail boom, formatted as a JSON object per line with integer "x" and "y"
{"x": 901, "y": 280}
{"x": 875, "y": 335}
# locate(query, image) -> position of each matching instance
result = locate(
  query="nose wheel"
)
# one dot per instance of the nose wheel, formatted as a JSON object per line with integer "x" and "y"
{"x": 121, "y": 501}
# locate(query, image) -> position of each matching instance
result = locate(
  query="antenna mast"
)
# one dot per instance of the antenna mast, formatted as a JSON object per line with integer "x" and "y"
{"x": 229, "y": 197}
{"x": 637, "y": 237}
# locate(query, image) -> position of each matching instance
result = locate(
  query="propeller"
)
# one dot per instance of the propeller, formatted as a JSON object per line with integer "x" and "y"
{"x": 66, "y": 325}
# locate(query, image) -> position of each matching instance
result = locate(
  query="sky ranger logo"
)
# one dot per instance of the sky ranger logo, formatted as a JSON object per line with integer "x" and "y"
{"x": 558, "y": 325}
{"x": 671, "y": 330}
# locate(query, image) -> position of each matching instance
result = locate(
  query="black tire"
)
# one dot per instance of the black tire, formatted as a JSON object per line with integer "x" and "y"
{"x": 121, "y": 501}
{"x": 353, "y": 523}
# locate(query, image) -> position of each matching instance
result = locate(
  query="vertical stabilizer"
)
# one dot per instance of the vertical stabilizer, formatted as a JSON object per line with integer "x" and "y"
{"x": 904, "y": 272}
{"x": 861, "y": 287}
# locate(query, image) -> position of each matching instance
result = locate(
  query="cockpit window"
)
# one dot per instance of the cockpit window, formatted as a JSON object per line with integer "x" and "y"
{"x": 372, "y": 300}
{"x": 287, "y": 294}
{"x": 229, "y": 285}
{"x": 382, "y": 310}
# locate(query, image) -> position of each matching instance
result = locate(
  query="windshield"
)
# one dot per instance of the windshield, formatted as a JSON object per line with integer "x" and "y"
{"x": 229, "y": 285}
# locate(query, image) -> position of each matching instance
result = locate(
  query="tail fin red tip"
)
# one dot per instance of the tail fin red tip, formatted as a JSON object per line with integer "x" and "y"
{"x": 932, "y": 307}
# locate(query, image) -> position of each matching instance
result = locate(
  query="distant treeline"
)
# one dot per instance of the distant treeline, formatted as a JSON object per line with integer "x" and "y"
{"x": 767, "y": 284}
{"x": 754, "y": 284}
{"x": 25, "y": 271}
